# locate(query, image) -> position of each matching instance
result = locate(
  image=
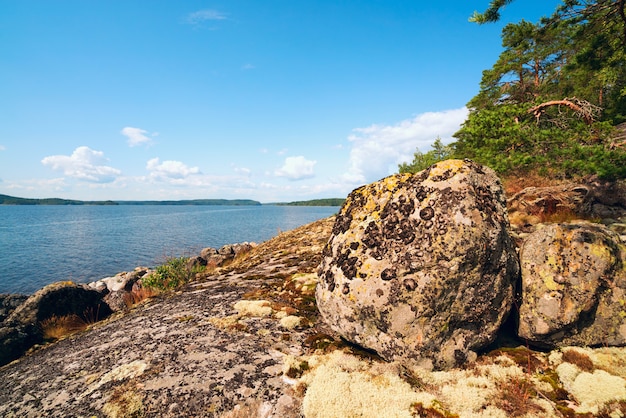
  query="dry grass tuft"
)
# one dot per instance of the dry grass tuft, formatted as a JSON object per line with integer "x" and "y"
{"x": 57, "y": 327}
{"x": 515, "y": 398}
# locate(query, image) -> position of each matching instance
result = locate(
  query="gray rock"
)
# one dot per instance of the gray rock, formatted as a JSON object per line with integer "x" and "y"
{"x": 196, "y": 262}
{"x": 421, "y": 268}
{"x": 573, "y": 286}
{"x": 8, "y": 303}
{"x": 21, "y": 328}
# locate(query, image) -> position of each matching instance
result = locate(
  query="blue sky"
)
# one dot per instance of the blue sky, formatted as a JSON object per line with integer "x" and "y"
{"x": 272, "y": 100}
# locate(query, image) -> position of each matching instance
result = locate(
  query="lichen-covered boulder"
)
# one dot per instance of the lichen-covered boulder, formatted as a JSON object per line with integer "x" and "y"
{"x": 420, "y": 268}
{"x": 573, "y": 286}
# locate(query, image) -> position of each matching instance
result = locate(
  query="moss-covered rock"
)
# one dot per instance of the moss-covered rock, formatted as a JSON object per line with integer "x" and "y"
{"x": 420, "y": 268}
{"x": 573, "y": 286}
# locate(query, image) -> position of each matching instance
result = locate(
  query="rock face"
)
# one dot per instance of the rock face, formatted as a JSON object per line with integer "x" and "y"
{"x": 420, "y": 268}
{"x": 576, "y": 199}
{"x": 594, "y": 199}
{"x": 573, "y": 286}
{"x": 8, "y": 303}
{"x": 21, "y": 330}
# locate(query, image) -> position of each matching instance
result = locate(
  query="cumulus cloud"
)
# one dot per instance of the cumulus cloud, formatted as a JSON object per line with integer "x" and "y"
{"x": 378, "y": 149}
{"x": 201, "y": 16}
{"x": 296, "y": 168}
{"x": 174, "y": 170}
{"x": 136, "y": 136}
{"x": 84, "y": 164}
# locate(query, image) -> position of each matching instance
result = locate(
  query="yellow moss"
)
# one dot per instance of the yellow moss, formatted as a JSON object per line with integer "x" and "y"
{"x": 124, "y": 404}
{"x": 255, "y": 308}
{"x": 602, "y": 252}
{"x": 125, "y": 371}
{"x": 591, "y": 390}
{"x": 548, "y": 276}
{"x": 595, "y": 389}
{"x": 226, "y": 322}
{"x": 290, "y": 322}
{"x": 342, "y": 386}
{"x": 439, "y": 168}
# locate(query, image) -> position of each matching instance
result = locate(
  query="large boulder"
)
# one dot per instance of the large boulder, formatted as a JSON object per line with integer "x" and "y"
{"x": 573, "y": 286}
{"x": 22, "y": 328}
{"x": 421, "y": 268}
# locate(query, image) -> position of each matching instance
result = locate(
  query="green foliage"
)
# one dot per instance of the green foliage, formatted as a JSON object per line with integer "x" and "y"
{"x": 170, "y": 276}
{"x": 492, "y": 14}
{"x": 573, "y": 64}
{"x": 509, "y": 139}
{"x": 422, "y": 161}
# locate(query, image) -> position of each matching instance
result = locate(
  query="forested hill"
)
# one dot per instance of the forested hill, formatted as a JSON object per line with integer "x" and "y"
{"x": 195, "y": 202}
{"x": 315, "y": 202}
{"x": 11, "y": 200}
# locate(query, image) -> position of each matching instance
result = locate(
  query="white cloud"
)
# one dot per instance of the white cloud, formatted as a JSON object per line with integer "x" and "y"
{"x": 378, "y": 149}
{"x": 168, "y": 169}
{"x": 244, "y": 171}
{"x": 84, "y": 164}
{"x": 2, "y": 148}
{"x": 201, "y": 16}
{"x": 296, "y": 168}
{"x": 136, "y": 136}
{"x": 248, "y": 67}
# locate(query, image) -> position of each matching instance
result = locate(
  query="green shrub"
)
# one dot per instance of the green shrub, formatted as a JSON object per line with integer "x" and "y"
{"x": 170, "y": 276}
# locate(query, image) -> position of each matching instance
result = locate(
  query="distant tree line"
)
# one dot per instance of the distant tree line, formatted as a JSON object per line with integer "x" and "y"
{"x": 316, "y": 202}
{"x": 11, "y": 200}
{"x": 194, "y": 202}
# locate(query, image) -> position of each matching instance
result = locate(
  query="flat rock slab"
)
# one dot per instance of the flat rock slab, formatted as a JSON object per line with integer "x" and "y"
{"x": 188, "y": 354}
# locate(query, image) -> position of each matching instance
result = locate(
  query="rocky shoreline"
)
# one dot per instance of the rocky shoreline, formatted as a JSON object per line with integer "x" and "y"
{"x": 245, "y": 339}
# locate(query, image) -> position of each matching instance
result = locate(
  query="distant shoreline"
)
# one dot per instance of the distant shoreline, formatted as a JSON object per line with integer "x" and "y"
{"x": 6, "y": 200}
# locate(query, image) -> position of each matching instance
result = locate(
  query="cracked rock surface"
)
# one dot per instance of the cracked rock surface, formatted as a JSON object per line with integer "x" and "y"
{"x": 191, "y": 353}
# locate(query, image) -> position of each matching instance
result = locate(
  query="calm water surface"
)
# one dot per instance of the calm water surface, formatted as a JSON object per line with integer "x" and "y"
{"x": 43, "y": 244}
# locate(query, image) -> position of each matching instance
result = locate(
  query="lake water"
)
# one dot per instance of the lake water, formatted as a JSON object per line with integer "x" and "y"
{"x": 43, "y": 244}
